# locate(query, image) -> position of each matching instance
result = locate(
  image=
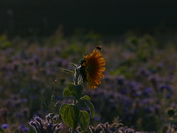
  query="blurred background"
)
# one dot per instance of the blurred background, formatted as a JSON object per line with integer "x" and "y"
{"x": 138, "y": 38}
{"x": 43, "y": 17}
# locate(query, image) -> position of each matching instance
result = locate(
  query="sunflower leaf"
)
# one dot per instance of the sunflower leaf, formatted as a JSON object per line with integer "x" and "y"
{"x": 66, "y": 92}
{"x": 70, "y": 115}
{"x": 76, "y": 90}
{"x": 84, "y": 120}
{"x": 89, "y": 105}
{"x": 86, "y": 97}
{"x": 66, "y": 70}
{"x": 73, "y": 64}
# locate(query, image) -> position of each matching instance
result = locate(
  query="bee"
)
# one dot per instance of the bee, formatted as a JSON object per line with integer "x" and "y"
{"x": 99, "y": 48}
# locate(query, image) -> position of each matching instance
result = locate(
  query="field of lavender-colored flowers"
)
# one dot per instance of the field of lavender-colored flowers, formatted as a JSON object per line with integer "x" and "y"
{"x": 138, "y": 92}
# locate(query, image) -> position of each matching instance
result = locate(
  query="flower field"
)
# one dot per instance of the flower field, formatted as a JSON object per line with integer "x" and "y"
{"x": 137, "y": 93}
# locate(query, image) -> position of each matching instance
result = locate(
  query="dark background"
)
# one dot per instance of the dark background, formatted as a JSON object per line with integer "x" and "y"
{"x": 42, "y": 17}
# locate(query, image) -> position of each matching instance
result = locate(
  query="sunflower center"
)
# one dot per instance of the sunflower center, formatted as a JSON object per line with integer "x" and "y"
{"x": 91, "y": 68}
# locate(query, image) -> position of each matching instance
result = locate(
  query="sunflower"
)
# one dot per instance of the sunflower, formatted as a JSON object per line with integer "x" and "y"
{"x": 92, "y": 68}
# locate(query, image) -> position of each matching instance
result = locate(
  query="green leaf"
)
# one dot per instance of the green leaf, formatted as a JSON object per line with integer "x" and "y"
{"x": 70, "y": 115}
{"x": 66, "y": 92}
{"x": 86, "y": 97}
{"x": 84, "y": 120}
{"x": 66, "y": 70}
{"x": 73, "y": 64}
{"x": 91, "y": 108}
{"x": 85, "y": 100}
{"x": 76, "y": 90}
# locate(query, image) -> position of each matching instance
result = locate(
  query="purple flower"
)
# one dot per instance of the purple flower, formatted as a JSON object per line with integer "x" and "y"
{"x": 166, "y": 87}
{"x": 23, "y": 128}
{"x": 147, "y": 91}
{"x": 4, "y": 126}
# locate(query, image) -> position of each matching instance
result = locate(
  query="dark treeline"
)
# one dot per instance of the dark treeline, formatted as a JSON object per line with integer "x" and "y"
{"x": 107, "y": 17}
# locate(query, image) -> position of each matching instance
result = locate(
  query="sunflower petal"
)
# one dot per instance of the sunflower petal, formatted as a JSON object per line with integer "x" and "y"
{"x": 94, "y": 68}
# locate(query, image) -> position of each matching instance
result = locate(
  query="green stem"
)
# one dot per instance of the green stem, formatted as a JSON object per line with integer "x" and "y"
{"x": 76, "y": 78}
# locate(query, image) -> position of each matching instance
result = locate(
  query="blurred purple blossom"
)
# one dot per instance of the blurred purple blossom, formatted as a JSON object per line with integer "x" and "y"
{"x": 4, "y": 126}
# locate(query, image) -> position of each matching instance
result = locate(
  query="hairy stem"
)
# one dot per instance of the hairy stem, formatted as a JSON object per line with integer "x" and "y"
{"x": 76, "y": 79}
